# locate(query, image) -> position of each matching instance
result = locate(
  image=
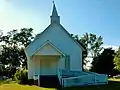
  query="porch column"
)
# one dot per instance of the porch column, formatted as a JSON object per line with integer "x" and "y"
{"x": 61, "y": 63}
{"x": 67, "y": 62}
{"x": 36, "y": 72}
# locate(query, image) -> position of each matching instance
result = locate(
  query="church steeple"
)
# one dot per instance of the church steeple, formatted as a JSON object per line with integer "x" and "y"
{"x": 55, "y": 19}
{"x": 54, "y": 12}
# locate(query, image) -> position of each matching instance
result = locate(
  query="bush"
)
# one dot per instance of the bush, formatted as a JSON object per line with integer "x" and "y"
{"x": 21, "y": 76}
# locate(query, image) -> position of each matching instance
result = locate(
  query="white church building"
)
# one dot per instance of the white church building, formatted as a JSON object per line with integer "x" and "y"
{"x": 55, "y": 57}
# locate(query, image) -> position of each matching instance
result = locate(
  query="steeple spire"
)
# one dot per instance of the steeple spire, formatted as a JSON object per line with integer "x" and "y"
{"x": 54, "y": 12}
{"x": 55, "y": 18}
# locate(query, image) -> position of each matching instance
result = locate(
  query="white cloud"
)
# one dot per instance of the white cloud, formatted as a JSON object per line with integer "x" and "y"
{"x": 111, "y": 46}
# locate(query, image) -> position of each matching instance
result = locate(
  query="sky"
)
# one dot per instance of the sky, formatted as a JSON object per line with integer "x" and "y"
{"x": 101, "y": 17}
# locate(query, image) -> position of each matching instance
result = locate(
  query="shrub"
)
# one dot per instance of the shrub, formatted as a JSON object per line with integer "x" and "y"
{"x": 21, "y": 76}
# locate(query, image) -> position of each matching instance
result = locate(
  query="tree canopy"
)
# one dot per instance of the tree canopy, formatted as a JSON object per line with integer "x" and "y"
{"x": 12, "y": 48}
{"x": 104, "y": 63}
{"x": 117, "y": 60}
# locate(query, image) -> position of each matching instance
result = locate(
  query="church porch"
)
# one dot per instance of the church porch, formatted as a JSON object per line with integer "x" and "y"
{"x": 45, "y": 64}
{"x": 45, "y": 70}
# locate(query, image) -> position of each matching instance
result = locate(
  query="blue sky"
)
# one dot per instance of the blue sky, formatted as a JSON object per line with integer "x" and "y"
{"x": 101, "y": 17}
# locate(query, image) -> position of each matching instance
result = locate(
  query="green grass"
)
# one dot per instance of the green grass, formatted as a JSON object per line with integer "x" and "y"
{"x": 22, "y": 87}
{"x": 114, "y": 84}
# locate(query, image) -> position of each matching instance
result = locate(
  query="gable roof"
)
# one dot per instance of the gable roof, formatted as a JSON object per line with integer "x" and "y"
{"x": 38, "y": 36}
{"x": 48, "y": 42}
{"x": 79, "y": 44}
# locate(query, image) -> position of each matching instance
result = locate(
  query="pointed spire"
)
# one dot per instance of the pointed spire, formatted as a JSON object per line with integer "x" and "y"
{"x": 54, "y": 17}
{"x": 54, "y": 12}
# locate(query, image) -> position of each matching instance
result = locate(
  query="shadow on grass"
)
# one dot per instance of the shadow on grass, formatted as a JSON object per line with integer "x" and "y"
{"x": 44, "y": 84}
{"x": 112, "y": 85}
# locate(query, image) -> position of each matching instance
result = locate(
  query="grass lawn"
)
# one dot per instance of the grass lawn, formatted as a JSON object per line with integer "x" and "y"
{"x": 114, "y": 84}
{"x": 21, "y": 87}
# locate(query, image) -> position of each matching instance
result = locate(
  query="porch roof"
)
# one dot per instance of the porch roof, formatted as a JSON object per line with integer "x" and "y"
{"x": 51, "y": 45}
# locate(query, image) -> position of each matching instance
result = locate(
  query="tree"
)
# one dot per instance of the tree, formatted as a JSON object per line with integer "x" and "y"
{"x": 117, "y": 60}
{"x": 104, "y": 63}
{"x": 91, "y": 43}
{"x": 12, "y": 49}
{"x": 24, "y": 37}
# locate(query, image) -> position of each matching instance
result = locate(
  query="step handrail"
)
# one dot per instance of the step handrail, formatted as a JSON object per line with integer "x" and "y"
{"x": 77, "y": 77}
